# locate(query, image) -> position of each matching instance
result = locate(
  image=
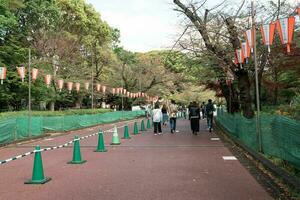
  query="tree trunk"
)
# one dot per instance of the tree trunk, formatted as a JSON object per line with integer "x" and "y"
{"x": 52, "y": 106}
{"x": 231, "y": 97}
{"x": 245, "y": 93}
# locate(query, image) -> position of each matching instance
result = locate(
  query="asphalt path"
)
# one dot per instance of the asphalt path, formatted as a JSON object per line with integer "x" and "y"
{"x": 178, "y": 166}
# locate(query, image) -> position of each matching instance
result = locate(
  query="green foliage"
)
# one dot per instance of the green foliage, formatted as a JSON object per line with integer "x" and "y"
{"x": 71, "y": 31}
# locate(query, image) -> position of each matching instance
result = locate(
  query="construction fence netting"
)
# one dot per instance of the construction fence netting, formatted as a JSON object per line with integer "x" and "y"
{"x": 280, "y": 136}
{"x": 17, "y": 128}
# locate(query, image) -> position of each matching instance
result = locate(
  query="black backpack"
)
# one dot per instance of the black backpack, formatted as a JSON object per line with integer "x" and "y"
{"x": 193, "y": 111}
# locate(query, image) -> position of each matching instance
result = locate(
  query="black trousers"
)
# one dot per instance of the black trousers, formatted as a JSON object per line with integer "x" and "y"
{"x": 157, "y": 127}
{"x": 195, "y": 124}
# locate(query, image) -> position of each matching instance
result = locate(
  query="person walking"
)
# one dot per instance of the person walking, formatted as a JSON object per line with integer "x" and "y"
{"x": 194, "y": 116}
{"x": 210, "y": 114}
{"x": 173, "y": 115}
{"x": 157, "y": 119}
{"x": 165, "y": 119}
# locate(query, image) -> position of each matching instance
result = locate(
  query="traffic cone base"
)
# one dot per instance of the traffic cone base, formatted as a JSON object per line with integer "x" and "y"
{"x": 45, "y": 180}
{"x": 126, "y": 138}
{"x": 115, "y": 143}
{"x": 76, "y": 162}
{"x": 101, "y": 150}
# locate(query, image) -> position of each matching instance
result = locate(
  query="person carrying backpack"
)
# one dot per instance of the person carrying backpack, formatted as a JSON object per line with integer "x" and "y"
{"x": 210, "y": 114}
{"x": 194, "y": 116}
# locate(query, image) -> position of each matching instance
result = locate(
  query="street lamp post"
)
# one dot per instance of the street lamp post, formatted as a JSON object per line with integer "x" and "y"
{"x": 122, "y": 84}
{"x": 29, "y": 88}
{"x": 258, "y": 131}
{"x": 92, "y": 84}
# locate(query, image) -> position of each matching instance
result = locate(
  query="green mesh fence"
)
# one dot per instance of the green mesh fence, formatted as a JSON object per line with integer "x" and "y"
{"x": 280, "y": 135}
{"x": 14, "y": 129}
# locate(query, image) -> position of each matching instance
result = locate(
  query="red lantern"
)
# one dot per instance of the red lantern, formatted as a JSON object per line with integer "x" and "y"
{"x": 246, "y": 50}
{"x": 77, "y": 87}
{"x": 113, "y": 91}
{"x": 239, "y": 56}
{"x": 21, "y": 72}
{"x": 267, "y": 32}
{"x": 249, "y": 34}
{"x": 70, "y": 86}
{"x": 86, "y": 85}
{"x": 98, "y": 87}
{"x": 48, "y": 80}
{"x": 103, "y": 88}
{"x": 124, "y": 91}
{"x": 34, "y": 74}
{"x": 2, "y": 74}
{"x": 128, "y": 94}
{"x": 285, "y": 28}
{"x": 60, "y": 84}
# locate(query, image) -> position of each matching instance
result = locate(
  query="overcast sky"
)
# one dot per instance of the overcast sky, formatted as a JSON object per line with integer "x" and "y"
{"x": 144, "y": 24}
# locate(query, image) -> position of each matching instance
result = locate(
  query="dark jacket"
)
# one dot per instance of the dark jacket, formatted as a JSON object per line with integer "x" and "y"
{"x": 209, "y": 108}
{"x": 194, "y": 112}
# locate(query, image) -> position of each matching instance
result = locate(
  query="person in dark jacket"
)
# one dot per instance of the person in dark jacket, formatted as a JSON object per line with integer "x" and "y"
{"x": 210, "y": 114}
{"x": 194, "y": 116}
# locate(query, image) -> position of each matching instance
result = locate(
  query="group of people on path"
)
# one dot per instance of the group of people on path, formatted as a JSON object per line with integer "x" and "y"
{"x": 207, "y": 111}
{"x": 162, "y": 115}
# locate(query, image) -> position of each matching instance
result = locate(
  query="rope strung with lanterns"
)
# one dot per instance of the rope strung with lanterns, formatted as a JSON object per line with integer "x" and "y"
{"x": 285, "y": 28}
{"x": 70, "y": 85}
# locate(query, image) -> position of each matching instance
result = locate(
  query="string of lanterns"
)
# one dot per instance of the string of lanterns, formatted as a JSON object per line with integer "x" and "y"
{"x": 70, "y": 85}
{"x": 285, "y": 28}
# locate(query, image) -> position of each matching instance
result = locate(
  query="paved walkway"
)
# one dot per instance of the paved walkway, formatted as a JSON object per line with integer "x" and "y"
{"x": 177, "y": 166}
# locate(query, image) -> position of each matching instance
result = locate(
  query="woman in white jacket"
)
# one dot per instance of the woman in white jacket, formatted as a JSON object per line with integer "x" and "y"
{"x": 157, "y": 119}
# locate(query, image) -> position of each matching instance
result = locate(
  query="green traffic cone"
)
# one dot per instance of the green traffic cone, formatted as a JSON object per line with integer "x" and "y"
{"x": 142, "y": 125}
{"x": 38, "y": 171}
{"x": 101, "y": 146}
{"x": 135, "y": 129}
{"x": 148, "y": 124}
{"x": 126, "y": 133}
{"x": 115, "y": 137}
{"x": 76, "y": 153}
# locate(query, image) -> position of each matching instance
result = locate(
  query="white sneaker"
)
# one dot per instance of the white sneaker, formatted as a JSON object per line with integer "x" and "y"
{"x": 177, "y": 131}
{"x": 155, "y": 134}
{"x": 159, "y": 133}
